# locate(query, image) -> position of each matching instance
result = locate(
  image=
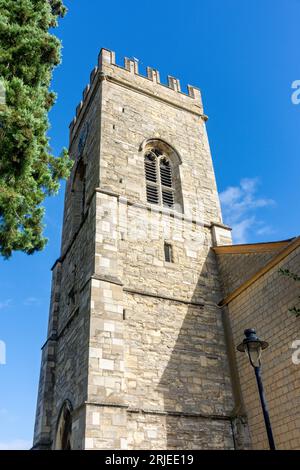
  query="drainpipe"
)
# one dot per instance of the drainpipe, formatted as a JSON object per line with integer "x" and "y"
{"x": 238, "y": 414}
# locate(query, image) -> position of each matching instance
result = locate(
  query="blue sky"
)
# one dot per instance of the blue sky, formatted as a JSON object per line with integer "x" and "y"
{"x": 244, "y": 55}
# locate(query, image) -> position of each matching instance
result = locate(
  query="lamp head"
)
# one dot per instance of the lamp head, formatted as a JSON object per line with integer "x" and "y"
{"x": 252, "y": 346}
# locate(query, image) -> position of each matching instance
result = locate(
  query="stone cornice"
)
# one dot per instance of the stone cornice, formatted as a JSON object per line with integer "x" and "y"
{"x": 162, "y": 297}
{"x": 137, "y": 89}
{"x": 140, "y": 205}
{"x": 221, "y": 417}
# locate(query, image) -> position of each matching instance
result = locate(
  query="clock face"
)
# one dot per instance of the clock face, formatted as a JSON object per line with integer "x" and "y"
{"x": 82, "y": 138}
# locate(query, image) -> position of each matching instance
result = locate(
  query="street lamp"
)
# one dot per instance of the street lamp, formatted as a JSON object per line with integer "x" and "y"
{"x": 253, "y": 347}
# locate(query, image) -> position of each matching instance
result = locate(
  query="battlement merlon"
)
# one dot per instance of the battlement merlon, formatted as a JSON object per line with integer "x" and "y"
{"x": 150, "y": 84}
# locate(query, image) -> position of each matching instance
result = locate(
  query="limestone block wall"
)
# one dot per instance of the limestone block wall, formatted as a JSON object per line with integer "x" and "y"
{"x": 85, "y": 146}
{"x": 264, "y": 306}
{"x": 156, "y": 349}
{"x": 43, "y": 421}
{"x": 136, "y": 108}
{"x": 71, "y": 365}
{"x": 193, "y": 273}
{"x": 177, "y": 432}
{"x": 64, "y": 368}
{"x": 175, "y": 363}
{"x": 158, "y": 358}
{"x": 140, "y": 349}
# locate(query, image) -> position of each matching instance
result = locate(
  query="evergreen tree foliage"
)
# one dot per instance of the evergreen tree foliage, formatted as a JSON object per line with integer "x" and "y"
{"x": 28, "y": 170}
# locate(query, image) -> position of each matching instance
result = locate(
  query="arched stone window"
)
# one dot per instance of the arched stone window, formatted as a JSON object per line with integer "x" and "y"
{"x": 163, "y": 186}
{"x": 63, "y": 438}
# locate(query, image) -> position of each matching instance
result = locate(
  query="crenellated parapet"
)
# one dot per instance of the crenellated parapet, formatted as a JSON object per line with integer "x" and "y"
{"x": 128, "y": 75}
{"x": 131, "y": 65}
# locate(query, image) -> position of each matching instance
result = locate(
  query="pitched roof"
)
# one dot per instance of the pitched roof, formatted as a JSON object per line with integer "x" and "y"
{"x": 280, "y": 250}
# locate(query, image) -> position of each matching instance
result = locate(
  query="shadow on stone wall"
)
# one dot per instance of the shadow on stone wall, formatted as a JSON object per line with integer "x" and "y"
{"x": 196, "y": 381}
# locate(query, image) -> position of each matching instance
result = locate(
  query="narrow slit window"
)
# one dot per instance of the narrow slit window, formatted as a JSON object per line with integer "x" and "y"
{"x": 168, "y": 252}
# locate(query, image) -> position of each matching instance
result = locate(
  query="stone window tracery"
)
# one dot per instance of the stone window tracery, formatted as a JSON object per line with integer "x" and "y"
{"x": 162, "y": 177}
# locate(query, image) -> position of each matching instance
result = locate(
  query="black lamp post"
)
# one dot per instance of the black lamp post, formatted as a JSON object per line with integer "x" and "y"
{"x": 253, "y": 347}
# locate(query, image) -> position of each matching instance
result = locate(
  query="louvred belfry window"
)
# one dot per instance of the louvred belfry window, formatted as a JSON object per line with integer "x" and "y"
{"x": 159, "y": 179}
{"x": 151, "y": 178}
{"x": 166, "y": 182}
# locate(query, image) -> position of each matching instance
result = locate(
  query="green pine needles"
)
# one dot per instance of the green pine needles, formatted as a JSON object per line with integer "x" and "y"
{"x": 28, "y": 170}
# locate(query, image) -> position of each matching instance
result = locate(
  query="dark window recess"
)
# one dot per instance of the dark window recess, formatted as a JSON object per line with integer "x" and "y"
{"x": 152, "y": 194}
{"x": 168, "y": 252}
{"x": 124, "y": 314}
{"x": 66, "y": 434}
{"x": 157, "y": 152}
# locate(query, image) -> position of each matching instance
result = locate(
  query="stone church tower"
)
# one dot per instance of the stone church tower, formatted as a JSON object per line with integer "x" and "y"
{"x": 136, "y": 354}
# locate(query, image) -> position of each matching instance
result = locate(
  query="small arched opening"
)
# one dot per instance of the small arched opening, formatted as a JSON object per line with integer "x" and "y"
{"x": 63, "y": 438}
